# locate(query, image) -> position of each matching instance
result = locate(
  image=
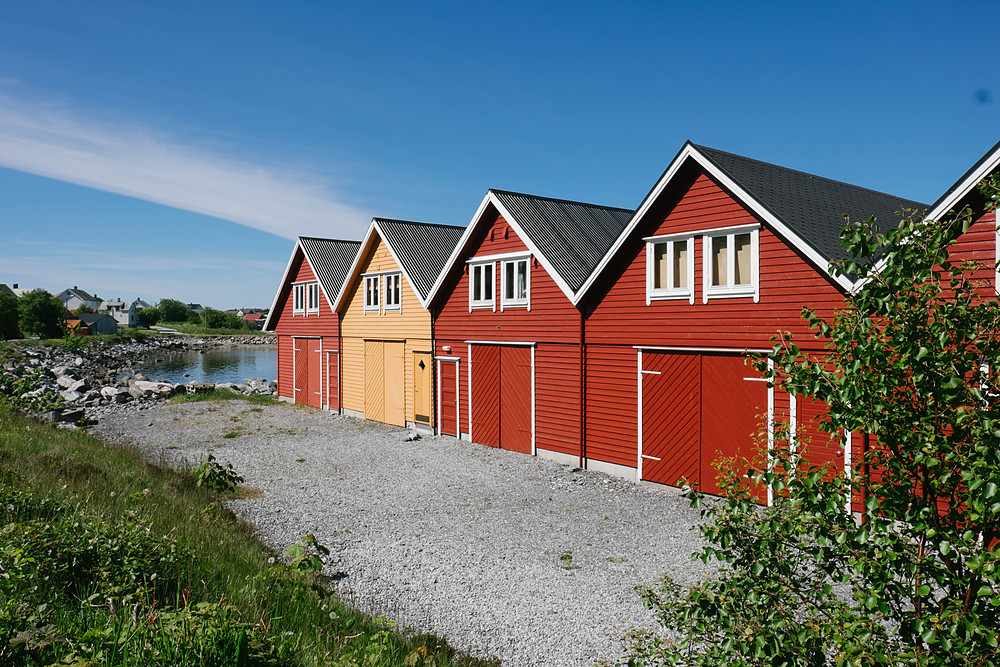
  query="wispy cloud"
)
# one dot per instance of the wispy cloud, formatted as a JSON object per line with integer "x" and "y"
{"x": 51, "y": 140}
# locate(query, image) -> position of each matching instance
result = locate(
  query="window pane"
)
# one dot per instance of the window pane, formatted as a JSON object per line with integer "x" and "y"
{"x": 522, "y": 279}
{"x": 680, "y": 253}
{"x": 659, "y": 265}
{"x": 488, "y": 282}
{"x": 477, "y": 283}
{"x": 395, "y": 290}
{"x": 741, "y": 258}
{"x": 719, "y": 252}
{"x": 508, "y": 280}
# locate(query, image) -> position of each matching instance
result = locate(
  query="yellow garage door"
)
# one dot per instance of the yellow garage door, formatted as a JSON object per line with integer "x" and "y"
{"x": 385, "y": 382}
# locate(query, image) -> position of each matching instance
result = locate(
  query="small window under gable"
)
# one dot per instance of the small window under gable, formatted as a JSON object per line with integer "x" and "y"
{"x": 299, "y": 299}
{"x": 515, "y": 276}
{"x": 732, "y": 263}
{"x": 670, "y": 268}
{"x": 393, "y": 291}
{"x": 481, "y": 282}
{"x": 312, "y": 298}
{"x": 372, "y": 285}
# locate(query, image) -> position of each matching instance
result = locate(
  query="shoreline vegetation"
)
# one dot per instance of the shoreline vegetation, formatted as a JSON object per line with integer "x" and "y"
{"x": 108, "y": 559}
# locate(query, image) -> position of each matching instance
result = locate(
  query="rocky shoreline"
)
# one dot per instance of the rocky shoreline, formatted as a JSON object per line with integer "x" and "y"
{"x": 103, "y": 374}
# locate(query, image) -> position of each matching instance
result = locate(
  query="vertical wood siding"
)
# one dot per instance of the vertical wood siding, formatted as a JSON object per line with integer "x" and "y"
{"x": 411, "y": 326}
{"x": 449, "y": 398}
{"x": 553, "y": 323}
{"x": 325, "y": 325}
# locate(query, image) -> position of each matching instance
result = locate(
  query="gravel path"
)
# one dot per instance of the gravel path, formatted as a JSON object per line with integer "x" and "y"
{"x": 505, "y": 555}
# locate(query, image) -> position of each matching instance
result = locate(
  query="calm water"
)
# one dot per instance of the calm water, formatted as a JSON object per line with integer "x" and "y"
{"x": 219, "y": 364}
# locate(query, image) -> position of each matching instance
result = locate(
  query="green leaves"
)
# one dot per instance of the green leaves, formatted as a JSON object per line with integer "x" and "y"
{"x": 912, "y": 360}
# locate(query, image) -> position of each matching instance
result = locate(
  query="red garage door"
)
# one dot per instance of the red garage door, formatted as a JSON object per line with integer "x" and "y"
{"x": 697, "y": 409}
{"x": 671, "y": 417}
{"x": 501, "y": 396}
{"x": 734, "y": 408}
{"x": 308, "y": 371}
{"x": 449, "y": 397}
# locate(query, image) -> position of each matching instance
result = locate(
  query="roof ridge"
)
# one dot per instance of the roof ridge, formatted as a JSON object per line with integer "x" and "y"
{"x": 804, "y": 173}
{"x": 417, "y": 222}
{"x": 323, "y": 238}
{"x": 564, "y": 201}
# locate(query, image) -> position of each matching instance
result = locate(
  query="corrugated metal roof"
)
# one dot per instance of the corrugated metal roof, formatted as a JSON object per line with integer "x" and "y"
{"x": 331, "y": 259}
{"x": 421, "y": 247}
{"x": 573, "y": 236}
{"x": 812, "y": 206}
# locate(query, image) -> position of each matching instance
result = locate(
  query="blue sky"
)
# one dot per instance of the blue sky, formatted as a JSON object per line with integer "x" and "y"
{"x": 175, "y": 149}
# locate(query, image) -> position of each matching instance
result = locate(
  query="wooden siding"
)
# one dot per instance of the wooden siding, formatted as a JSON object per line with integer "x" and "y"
{"x": 552, "y": 323}
{"x": 411, "y": 325}
{"x": 324, "y": 325}
{"x": 622, "y": 319}
{"x": 979, "y": 244}
{"x": 787, "y": 283}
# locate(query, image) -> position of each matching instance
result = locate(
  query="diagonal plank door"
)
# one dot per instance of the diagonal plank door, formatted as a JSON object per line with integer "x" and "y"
{"x": 485, "y": 394}
{"x": 515, "y": 399}
{"x": 671, "y": 417}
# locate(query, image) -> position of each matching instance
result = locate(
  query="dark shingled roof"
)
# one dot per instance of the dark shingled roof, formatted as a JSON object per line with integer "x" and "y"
{"x": 813, "y": 207}
{"x": 573, "y": 236}
{"x": 331, "y": 260}
{"x": 422, "y": 248}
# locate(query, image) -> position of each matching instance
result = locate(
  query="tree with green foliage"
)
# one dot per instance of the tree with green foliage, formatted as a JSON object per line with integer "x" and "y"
{"x": 8, "y": 317}
{"x": 149, "y": 316}
{"x": 218, "y": 319}
{"x": 172, "y": 310}
{"x": 84, "y": 309}
{"x": 41, "y": 314}
{"x": 912, "y": 361}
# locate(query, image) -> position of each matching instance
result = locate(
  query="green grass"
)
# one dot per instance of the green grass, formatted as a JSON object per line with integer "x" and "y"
{"x": 224, "y": 395}
{"x": 111, "y": 560}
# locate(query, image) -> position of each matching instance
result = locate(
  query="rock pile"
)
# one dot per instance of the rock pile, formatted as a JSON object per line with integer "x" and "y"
{"x": 102, "y": 375}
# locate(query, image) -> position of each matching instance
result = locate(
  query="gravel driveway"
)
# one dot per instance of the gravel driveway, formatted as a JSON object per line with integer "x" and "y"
{"x": 505, "y": 555}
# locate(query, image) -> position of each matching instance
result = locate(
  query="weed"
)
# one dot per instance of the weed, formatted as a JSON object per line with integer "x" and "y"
{"x": 212, "y": 475}
{"x": 225, "y": 395}
{"x": 566, "y": 561}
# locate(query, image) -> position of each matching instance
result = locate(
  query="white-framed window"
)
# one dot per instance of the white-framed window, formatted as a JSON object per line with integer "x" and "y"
{"x": 312, "y": 298}
{"x": 732, "y": 263}
{"x": 372, "y": 285}
{"x": 299, "y": 299}
{"x": 670, "y": 268}
{"x": 515, "y": 278}
{"x": 393, "y": 291}
{"x": 481, "y": 285}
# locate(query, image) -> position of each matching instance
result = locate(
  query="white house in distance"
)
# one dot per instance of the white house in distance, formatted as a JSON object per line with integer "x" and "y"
{"x": 74, "y": 297}
{"x": 124, "y": 312}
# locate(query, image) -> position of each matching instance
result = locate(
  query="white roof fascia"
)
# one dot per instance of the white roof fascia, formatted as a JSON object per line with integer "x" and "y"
{"x": 546, "y": 264}
{"x": 971, "y": 181}
{"x": 281, "y": 286}
{"x": 690, "y": 152}
{"x": 402, "y": 267}
{"x": 349, "y": 278}
{"x": 459, "y": 247}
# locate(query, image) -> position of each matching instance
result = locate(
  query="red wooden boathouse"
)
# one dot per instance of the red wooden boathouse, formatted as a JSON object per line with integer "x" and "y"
{"x": 308, "y": 327}
{"x": 508, "y": 337}
{"x": 722, "y": 254}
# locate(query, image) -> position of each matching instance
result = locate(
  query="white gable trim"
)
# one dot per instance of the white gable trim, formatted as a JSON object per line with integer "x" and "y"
{"x": 354, "y": 272}
{"x": 689, "y": 152}
{"x": 272, "y": 312}
{"x": 966, "y": 186}
{"x": 477, "y": 220}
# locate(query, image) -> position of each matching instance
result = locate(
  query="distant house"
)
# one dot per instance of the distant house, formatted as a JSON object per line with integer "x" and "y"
{"x": 74, "y": 298}
{"x": 124, "y": 312}
{"x": 141, "y": 305}
{"x": 196, "y": 307}
{"x": 6, "y": 290}
{"x": 92, "y": 324}
{"x": 256, "y": 319}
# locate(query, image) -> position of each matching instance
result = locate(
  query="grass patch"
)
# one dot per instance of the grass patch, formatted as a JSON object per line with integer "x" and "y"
{"x": 225, "y": 395}
{"x": 111, "y": 560}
